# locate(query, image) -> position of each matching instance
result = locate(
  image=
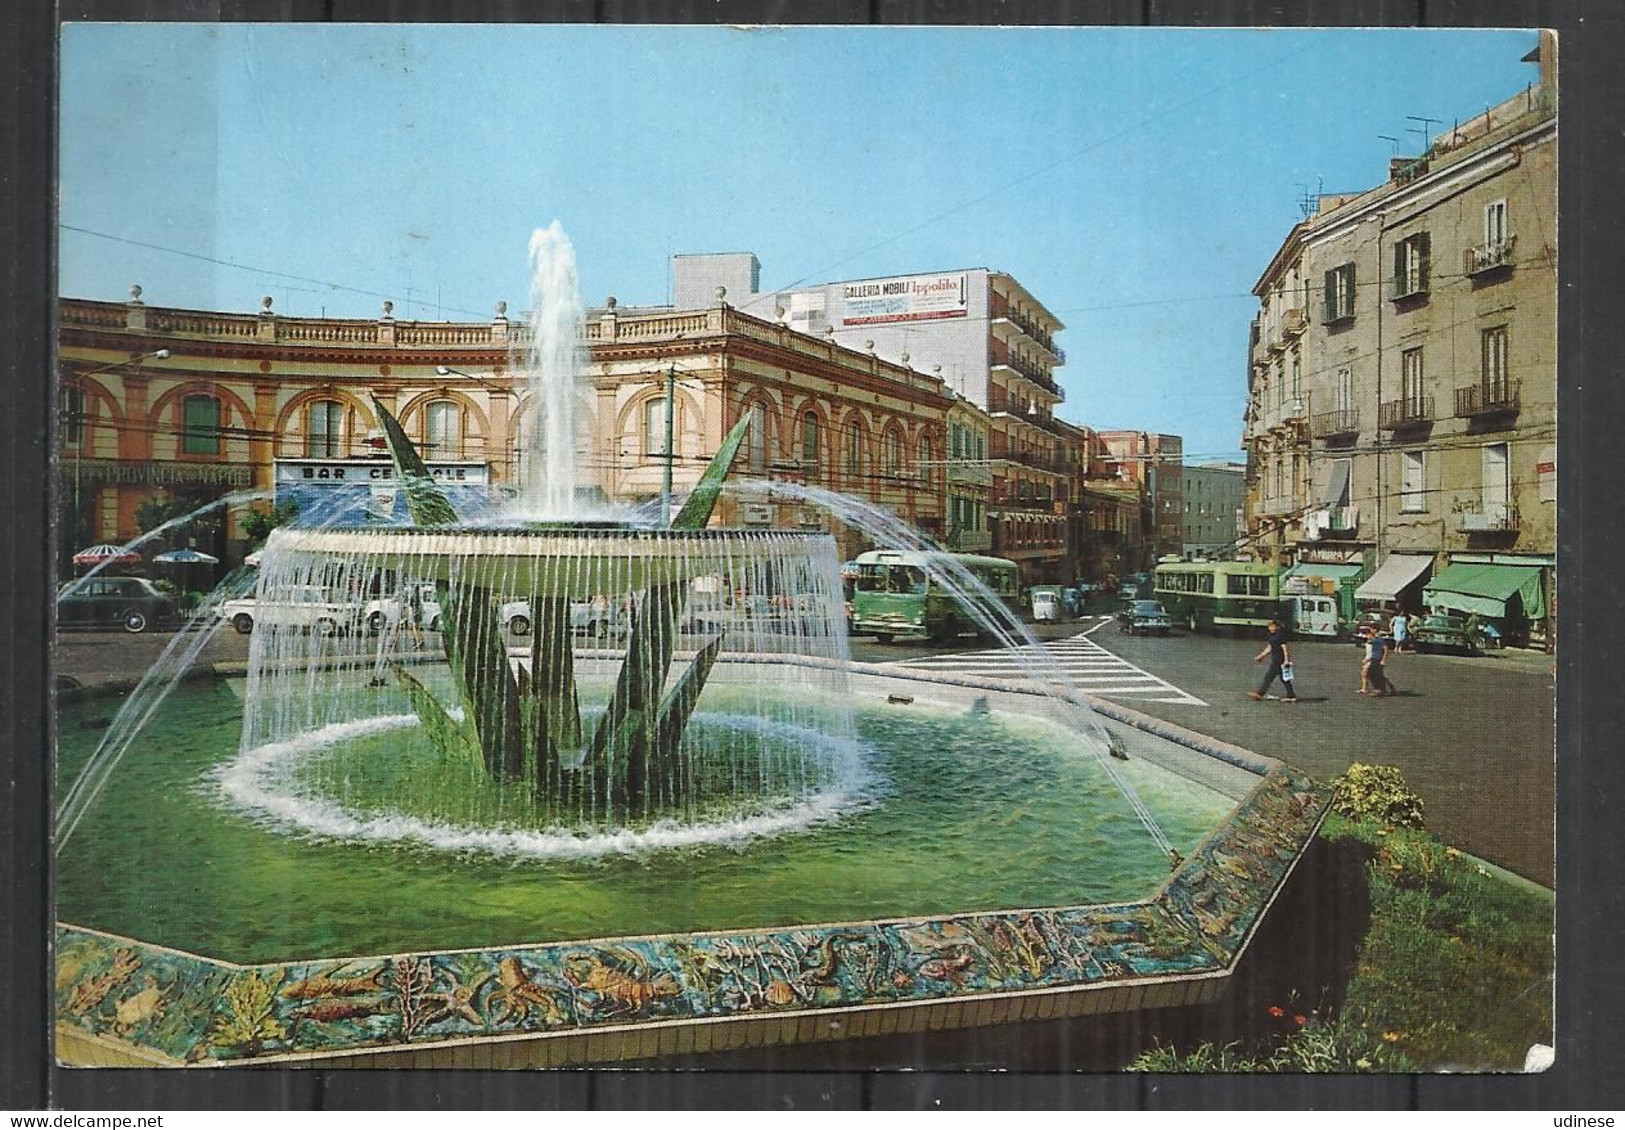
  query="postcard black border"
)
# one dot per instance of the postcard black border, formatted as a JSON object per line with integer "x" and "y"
{"x": 1591, "y": 727}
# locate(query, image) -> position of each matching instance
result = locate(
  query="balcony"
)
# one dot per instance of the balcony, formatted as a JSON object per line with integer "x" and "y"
{"x": 1297, "y": 320}
{"x": 1488, "y": 257}
{"x": 1487, "y": 399}
{"x": 1337, "y": 424}
{"x": 969, "y": 474}
{"x": 1411, "y": 412}
{"x": 1032, "y": 373}
{"x": 969, "y": 541}
{"x": 1332, "y": 523}
{"x": 1030, "y": 331}
{"x": 1488, "y": 518}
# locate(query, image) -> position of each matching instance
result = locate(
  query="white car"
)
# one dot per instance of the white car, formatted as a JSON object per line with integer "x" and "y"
{"x": 381, "y": 612}
{"x": 305, "y": 606}
{"x": 586, "y": 618}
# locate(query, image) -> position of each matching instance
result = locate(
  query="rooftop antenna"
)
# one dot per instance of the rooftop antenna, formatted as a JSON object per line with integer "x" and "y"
{"x": 1309, "y": 202}
{"x": 1393, "y": 144}
{"x": 1426, "y": 129}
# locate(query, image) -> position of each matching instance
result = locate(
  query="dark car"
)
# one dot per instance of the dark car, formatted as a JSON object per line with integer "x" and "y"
{"x": 130, "y": 602}
{"x": 1369, "y": 624}
{"x": 1441, "y": 631}
{"x": 1144, "y": 616}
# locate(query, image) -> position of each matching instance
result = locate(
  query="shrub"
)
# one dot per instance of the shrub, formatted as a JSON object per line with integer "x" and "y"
{"x": 1377, "y": 793}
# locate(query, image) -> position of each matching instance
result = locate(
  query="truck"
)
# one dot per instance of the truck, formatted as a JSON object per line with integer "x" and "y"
{"x": 1318, "y": 606}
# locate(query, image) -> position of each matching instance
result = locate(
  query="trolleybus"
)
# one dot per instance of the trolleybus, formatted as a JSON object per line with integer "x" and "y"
{"x": 1213, "y": 596}
{"x": 900, "y": 593}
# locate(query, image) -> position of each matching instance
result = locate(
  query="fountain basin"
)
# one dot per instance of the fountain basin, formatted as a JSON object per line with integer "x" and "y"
{"x": 573, "y": 560}
{"x": 122, "y": 999}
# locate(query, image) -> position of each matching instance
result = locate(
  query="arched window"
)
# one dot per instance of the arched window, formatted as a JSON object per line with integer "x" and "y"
{"x": 654, "y": 427}
{"x": 925, "y": 460}
{"x": 810, "y": 441}
{"x": 200, "y": 425}
{"x": 854, "y": 450}
{"x": 891, "y": 450}
{"x": 324, "y": 430}
{"x": 756, "y": 439}
{"x": 442, "y": 430}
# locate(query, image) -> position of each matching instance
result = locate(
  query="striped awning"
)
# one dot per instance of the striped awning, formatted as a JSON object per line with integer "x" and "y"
{"x": 1396, "y": 574}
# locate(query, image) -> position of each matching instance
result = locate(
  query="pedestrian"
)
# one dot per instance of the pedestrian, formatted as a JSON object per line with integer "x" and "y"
{"x": 411, "y": 619}
{"x": 1373, "y": 678}
{"x": 1400, "y": 625}
{"x": 1280, "y": 667}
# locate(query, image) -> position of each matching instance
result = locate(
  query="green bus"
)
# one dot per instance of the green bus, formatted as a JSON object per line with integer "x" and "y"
{"x": 1208, "y": 596}
{"x": 896, "y": 593}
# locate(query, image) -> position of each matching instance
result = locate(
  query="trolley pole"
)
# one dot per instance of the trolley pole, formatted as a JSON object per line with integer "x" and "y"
{"x": 671, "y": 407}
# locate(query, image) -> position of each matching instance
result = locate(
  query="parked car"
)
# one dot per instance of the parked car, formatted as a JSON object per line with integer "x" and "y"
{"x": 1140, "y": 616}
{"x": 1369, "y": 624}
{"x": 308, "y": 607}
{"x": 381, "y": 612}
{"x": 1444, "y": 631}
{"x": 133, "y": 603}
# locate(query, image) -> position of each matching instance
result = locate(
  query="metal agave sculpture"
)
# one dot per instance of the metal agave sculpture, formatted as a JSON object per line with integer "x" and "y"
{"x": 527, "y": 723}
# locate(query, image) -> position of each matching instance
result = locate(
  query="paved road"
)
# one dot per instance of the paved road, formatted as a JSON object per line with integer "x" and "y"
{"x": 1080, "y": 659}
{"x": 1475, "y": 737}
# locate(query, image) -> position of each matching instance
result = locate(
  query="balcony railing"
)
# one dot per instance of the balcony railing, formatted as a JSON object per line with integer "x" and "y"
{"x": 1033, "y": 333}
{"x": 1033, "y": 330}
{"x": 1339, "y": 422}
{"x": 1335, "y": 523}
{"x": 1031, "y": 372}
{"x": 969, "y": 541}
{"x": 1493, "y": 518}
{"x": 969, "y": 474}
{"x": 1297, "y": 320}
{"x": 1488, "y": 256}
{"x": 1410, "y": 412}
{"x": 1484, "y": 399}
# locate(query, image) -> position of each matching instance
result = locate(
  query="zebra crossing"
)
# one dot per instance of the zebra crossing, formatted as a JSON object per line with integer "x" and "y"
{"x": 1083, "y": 662}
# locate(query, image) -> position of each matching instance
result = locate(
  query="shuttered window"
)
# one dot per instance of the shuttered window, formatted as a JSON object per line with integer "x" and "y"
{"x": 1411, "y": 265}
{"x": 200, "y": 426}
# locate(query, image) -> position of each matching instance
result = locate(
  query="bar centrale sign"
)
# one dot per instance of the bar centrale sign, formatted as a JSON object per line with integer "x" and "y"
{"x": 371, "y": 471}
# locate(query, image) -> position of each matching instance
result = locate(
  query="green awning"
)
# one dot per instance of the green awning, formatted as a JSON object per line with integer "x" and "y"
{"x": 1485, "y": 589}
{"x": 1335, "y": 572}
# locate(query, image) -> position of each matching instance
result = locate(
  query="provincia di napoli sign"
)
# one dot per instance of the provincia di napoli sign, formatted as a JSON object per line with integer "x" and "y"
{"x": 912, "y": 298}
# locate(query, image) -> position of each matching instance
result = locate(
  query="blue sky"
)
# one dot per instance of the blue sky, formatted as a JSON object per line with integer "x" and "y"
{"x": 1136, "y": 181}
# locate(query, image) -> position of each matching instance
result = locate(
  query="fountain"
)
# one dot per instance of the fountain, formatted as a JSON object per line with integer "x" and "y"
{"x": 668, "y": 815}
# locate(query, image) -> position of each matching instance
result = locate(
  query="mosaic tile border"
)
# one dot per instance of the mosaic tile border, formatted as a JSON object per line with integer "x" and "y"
{"x": 184, "y": 1008}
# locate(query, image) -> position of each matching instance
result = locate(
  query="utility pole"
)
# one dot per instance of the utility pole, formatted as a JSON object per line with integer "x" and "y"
{"x": 671, "y": 405}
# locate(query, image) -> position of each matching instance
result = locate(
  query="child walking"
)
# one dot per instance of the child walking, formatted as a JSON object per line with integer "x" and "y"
{"x": 1280, "y": 664}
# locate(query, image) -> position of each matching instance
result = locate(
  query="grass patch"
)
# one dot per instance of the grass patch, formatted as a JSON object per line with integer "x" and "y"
{"x": 1454, "y": 972}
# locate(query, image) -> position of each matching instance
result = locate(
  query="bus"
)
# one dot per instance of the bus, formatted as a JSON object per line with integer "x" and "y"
{"x": 1209, "y": 596}
{"x": 898, "y": 593}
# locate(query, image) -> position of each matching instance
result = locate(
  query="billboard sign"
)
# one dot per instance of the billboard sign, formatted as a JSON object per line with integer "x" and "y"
{"x": 361, "y": 492}
{"x": 913, "y": 298}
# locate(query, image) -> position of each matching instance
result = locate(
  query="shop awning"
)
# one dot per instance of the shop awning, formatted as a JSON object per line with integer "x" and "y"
{"x": 1337, "y": 484}
{"x": 1395, "y": 575}
{"x": 1485, "y": 589}
{"x": 1335, "y": 572}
